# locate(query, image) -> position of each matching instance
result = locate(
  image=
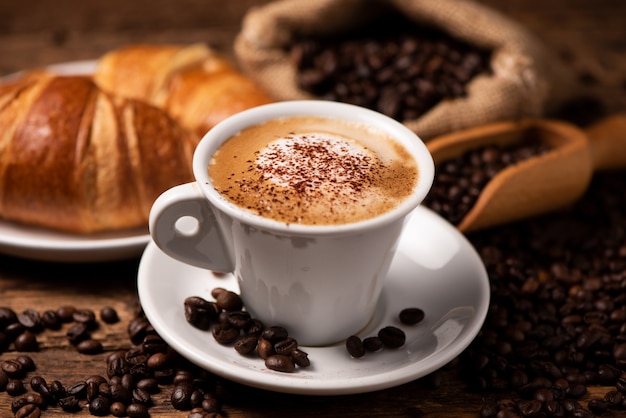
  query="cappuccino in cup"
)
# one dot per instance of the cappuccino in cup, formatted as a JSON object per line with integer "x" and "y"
{"x": 304, "y": 203}
{"x": 314, "y": 170}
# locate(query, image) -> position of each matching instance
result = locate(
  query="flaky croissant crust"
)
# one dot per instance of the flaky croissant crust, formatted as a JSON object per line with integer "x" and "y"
{"x": 76, "y": 158}
{"x": 193, "y": 83}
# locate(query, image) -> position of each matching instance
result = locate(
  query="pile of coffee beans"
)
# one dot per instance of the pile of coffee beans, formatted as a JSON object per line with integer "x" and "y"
{"x": 21, "y": 329}
{"x": 129, "y": 379}
{"x": 460, "y": 181}
{"x": 557, "y": 318}
{"x": 230, "y": 324}
{"x": 392, "y": 66}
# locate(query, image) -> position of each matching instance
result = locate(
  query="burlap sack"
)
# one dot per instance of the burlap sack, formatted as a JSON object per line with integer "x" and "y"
{"x": 526, "y": 79}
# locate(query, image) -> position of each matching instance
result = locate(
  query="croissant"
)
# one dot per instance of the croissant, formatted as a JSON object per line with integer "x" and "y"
{"x": 78, "y": 159}
{"x": 194, "y": 84}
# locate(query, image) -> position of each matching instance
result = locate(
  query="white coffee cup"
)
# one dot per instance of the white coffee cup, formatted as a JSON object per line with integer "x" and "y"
{"x": 322, "y": 283}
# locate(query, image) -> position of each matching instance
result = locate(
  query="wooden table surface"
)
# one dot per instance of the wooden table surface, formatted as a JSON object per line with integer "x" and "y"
{"x": 589, "y": 34}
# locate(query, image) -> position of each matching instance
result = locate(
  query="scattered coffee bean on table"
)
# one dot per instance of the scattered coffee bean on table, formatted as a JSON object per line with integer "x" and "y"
{"x": 132, "y": 375}
{"x": 395, "y": 67}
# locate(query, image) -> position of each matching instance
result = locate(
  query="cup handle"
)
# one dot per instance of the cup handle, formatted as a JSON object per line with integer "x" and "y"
{"x": 204, "y": 246}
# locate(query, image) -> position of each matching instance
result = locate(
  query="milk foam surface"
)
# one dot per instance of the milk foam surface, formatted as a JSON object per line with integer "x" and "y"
{"x": 312, "y": 170}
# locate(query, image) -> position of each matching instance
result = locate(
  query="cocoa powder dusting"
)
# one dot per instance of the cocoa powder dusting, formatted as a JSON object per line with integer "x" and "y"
{"x": 312, "y": 177}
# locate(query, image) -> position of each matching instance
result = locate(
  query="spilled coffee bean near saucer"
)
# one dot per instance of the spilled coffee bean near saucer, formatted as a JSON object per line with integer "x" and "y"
{"x": 230, "y": 324}
{"x": 387, "y": 337}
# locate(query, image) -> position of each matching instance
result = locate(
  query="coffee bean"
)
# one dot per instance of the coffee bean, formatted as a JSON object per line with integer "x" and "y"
{"x": 246, "y": 344}
{"x": 77, "y": 390}
{"x": 280, "y": 363}
{"x": 372, "y": 344}
{"x": 239, "y": 319}
{"x": 229, "y": 301}
{"x": 285, "y": 346}
{"x": 78, "y": 332}
{"x": 148, "y": 384}
{"x": 216, "y": 291}
{"x": 136, "y": 355}
{"x": 109, "y": 315}
{"x": 26, "y": 342}
{"x": 181, "y": 396}
{"x": 127, "y": 381}
{"x": 89, "y": 346}
{"x": 7, "y": 317}
{"x": 15, "y": 387}
{"x": 274, "y": 334}
{"x": 135, "y": 410}
{"x": 12, "y": 331}
{"x": 392, "y": 337}
{"x": 35, "y": 399}
{"x": 355, "y": 348}
{"x": 200, "y": 312}
{"x": 31, "y": 320}
{"x": 224, "y": 334}
{"x": 598, "y": 406}
{"x": 211, "y": 403}
{"x": 265, "y": 348}
{"x": 86, "y": 316}
{"x": 51, "y": 320}
{"x": 70, "y": 404}
{"x": 12, "y": 368}
{"x": 100, "y": 406}
{"x": 529, "y": 408}
{"x": 141, "y": 397}
{"x": 159, "y": 361}
{"x": 28, "y": 411}
{"x": 118, "y": 366}
{"x": 104, "y": 389}
{"x": 300, "y": 358}
{"x": 184, "y": 376}
{"x": 154, "y": 344}
{"x": 120, "y": 393}
{"x": 18, "y": 403}
{"x": 614, "y": 398}
{"x": 66, "y": 313}
{"x": 196, "y": 398}
{"x": 27, "y": 362}
{"x": 36, "y": 382}
{"x": 138, "y": 328}
{"x": 118, "y": 409}
{"x": 411, "y": 316}
{"x": 255, "y": 328}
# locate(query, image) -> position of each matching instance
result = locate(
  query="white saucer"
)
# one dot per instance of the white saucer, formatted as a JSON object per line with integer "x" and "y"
{"x": 435, "y": 269}
{"x": 49, "y": 245}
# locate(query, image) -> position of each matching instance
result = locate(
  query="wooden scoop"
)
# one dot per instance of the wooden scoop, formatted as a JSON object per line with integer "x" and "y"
{"x": 540, "y": 184}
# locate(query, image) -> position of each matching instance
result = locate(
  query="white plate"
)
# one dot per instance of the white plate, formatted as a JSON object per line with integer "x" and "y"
{"x": 435, "y": 269}
{"x": 49, "y": 245}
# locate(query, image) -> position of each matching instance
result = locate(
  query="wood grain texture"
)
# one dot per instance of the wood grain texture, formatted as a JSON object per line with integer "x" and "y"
{"x": 588, "y": 34}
